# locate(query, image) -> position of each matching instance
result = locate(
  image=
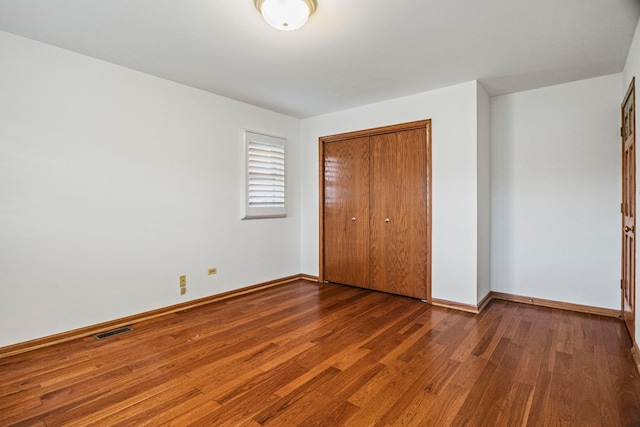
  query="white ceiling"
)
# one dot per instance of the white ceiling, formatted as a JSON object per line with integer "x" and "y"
{"x": 350, "y": 53}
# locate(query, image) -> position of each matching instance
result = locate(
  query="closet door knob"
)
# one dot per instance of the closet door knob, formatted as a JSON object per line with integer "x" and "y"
{"x": 353, "y": 219}
{"x": 386, "y": 220}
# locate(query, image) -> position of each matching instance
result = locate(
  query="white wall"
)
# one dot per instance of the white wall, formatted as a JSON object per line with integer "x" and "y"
{"x": 631, "y": 70}
{"x": 556, "y": 193}
{"x": 454, "y": 161}
{"x": 483, "y": 124}
{"x": 113, "y": 183}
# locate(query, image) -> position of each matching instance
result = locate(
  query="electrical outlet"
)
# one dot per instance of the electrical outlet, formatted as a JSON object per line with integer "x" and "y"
{"x": 211, "y": 271}
{"x": 183, "y": 281}
{"x": 183, "y": 291}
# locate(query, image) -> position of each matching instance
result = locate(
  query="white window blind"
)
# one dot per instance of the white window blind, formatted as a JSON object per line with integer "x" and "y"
{"x": 265, "y": 176}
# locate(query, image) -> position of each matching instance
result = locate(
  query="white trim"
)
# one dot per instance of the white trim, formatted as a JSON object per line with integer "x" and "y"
{"x": 267, "y": 172}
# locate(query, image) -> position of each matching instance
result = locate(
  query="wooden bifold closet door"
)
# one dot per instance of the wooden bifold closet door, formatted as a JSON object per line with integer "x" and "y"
{"x": 375, "y": 209}
{"x": 346, "y": 212}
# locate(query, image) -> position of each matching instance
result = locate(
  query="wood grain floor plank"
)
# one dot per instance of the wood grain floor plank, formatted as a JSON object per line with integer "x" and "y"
{"x": 442, "y": 410}
{"x": 558, "y": 410}
{"x": 324, "y": 355}
{"x": 302, "y": 397}
{"x": 516, "y": 406}
{"x": 373, "y": 391}
{"x": 190, "y": 417}
{"x": 166, "y": 411}
{"x": 542, "y": 388}
{"x": 333, "y": 414}
{"x": 19, "y": 409}
{"x": 418, "y": 399}
{"x": 142, "y": 406}
{"x": 374, "y": 409}
{"x": 250, "y": 398}
{"x": 479, "y": 390}
{"x": 120, "y": 396}
{"x": 347, "y": 382}
{"x": 585, "y": 390}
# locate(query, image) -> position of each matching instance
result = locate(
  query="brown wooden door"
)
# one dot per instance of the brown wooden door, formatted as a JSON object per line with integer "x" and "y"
{"x": 346, "y": 212}
{"x": 398, "y": 220}
{"x": 629, "y": 209}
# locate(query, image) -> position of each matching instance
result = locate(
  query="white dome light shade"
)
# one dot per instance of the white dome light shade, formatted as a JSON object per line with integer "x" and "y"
{"x": 286, "y": 15}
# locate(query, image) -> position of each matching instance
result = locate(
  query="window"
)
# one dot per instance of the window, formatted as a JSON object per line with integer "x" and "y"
{"x": 264, "y": 183}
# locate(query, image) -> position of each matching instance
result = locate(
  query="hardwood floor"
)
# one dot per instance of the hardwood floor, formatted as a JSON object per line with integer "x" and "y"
{"x": 328, "y": 355}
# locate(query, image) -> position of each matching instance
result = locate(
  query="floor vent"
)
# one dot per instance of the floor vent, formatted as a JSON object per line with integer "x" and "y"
{"x": 118, "y": 331}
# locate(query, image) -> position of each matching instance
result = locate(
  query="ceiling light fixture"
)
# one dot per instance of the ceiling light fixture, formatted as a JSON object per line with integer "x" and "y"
{"x": 286, "y": 15}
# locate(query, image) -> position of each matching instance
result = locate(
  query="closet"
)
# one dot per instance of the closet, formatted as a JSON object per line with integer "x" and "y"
{"x": 375, "y": 219}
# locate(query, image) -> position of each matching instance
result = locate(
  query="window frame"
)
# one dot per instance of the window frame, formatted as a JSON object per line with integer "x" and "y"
{"x": 252, "y": 141}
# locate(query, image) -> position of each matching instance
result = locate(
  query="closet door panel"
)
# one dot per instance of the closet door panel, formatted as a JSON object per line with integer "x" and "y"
{"x": 346, "y": 212}
{"x": 398, "y": 220}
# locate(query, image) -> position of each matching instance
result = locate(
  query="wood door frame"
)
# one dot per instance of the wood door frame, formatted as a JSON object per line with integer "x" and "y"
{"x": 420, "y": 124}
{"x": 630, "y": 325}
